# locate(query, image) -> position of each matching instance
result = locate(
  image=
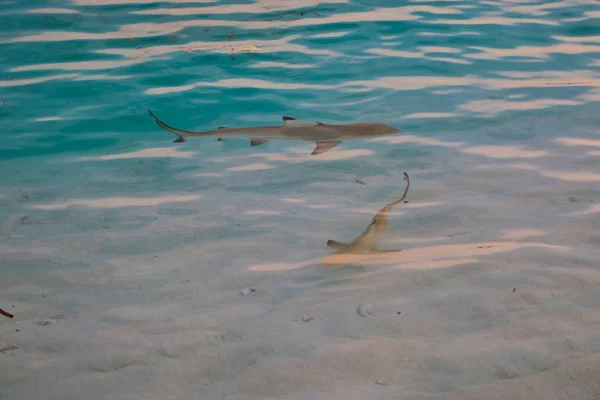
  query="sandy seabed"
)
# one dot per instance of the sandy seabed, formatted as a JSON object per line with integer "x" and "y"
{"x": 495, "y": 294}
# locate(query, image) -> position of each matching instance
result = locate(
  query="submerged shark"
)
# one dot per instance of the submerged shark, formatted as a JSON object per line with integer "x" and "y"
{"x": 365, "y": 243}
{"x": 325, "y": 136}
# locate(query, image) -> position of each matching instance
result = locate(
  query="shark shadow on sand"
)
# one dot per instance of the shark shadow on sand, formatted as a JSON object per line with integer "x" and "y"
{"x": 366, "y": 242}
{"x": 325, "y": 136}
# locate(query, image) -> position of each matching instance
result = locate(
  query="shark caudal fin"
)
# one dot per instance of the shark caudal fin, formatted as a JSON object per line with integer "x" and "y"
{"x": 166, "y": 127}
{"x": 179, "y": 132}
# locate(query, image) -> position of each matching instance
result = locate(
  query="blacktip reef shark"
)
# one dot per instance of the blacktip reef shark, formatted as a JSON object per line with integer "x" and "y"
{"x": 365, "y": 243}
{"x": 325, "y": 136}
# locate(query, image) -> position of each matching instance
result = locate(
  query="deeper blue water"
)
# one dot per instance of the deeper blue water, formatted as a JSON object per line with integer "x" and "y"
{"x": 141, "y": 246}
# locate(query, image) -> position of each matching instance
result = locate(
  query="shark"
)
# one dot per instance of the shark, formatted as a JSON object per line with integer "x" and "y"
{"x": 366, "y": 242}
{"x": 325, "y": 136}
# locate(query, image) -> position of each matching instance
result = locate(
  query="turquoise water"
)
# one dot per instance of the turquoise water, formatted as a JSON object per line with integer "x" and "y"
{"x": 141, "y": 246}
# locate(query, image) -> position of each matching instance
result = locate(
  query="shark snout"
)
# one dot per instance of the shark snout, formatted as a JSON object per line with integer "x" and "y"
{"x": 387, "y": 130}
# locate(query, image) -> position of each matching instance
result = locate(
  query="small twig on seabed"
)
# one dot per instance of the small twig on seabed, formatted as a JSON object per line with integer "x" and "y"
{"x": 6, "y": 313}
{"x": 147, "y": 51}
{"x": 302, "y": 13}
{"x": 250, "y": 47}
{"x": 281, "y": 16}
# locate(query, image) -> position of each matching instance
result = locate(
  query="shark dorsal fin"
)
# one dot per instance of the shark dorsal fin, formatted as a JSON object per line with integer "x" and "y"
{"x": 289, "y": 121}
{"x": 258, "y": 142}
{"x": 322, "y": 147}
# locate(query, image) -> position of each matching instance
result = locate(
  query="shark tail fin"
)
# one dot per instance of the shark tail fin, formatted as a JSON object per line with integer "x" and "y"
{"x": 182, "y": 134}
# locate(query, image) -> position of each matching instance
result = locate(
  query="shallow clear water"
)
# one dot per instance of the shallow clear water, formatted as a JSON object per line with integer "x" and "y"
{"x": 123, "y": 254}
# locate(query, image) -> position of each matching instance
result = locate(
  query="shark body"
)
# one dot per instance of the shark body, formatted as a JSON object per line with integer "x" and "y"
{"x": 325, "y": 136}
{"x": 366, "y": 242}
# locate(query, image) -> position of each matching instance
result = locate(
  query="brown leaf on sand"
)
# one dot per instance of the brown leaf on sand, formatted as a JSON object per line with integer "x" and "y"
{"x": 6, "y": 313}
{"x": 249, "y": 47}
{"x": 514, "y": 290}
{"x": 129, "y": 36}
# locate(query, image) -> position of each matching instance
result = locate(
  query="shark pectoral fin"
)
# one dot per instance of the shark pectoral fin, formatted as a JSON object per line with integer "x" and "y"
{"x": 179, "y": 140}
{"x": 322, "y": 147}
{"x": 258, "y": 142}
{"x": 334, "y": 244}
{"x": 293, "y": 122}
